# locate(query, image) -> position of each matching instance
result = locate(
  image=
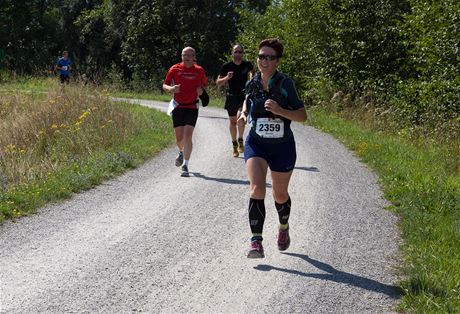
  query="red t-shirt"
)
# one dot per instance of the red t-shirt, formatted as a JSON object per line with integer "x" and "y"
{"x": 189, "y": 79}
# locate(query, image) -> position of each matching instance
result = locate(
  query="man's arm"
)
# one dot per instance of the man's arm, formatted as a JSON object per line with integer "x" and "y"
{"x": 168, "y": 84}
{"x": 221, "y": 80}
{"x": 173, "y": 89}
{"x": 223, "y": 77}
{"x": 252, "y": 71}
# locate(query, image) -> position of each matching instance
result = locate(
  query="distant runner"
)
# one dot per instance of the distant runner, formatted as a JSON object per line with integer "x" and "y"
{"x": 64, "y": 65}
{"x": 236, "y": 74}
{"x": 186, "y": 81}
{"x": 270, "y": 106}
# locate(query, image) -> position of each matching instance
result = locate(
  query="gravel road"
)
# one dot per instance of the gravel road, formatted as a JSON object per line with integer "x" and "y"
{"x": 151, "y": 241}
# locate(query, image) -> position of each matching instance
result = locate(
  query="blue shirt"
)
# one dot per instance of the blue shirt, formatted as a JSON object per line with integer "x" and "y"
{"x": 64, "y": 63}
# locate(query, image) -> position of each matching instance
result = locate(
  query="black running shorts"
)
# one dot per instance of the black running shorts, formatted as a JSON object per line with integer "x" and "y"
{"x": 184, "y": 116}
{"x": 233, "y": 103}
{"x": 64, "y": 79}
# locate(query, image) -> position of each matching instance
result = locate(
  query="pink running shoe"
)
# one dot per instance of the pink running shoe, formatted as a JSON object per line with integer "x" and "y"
{"x": 257, "y": 250}
{"x": 283, "y": 239}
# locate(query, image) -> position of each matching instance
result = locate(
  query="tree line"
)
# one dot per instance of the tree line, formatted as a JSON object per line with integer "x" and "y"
{"x": 398, "y": 57}
{"x": 136, "y": 40}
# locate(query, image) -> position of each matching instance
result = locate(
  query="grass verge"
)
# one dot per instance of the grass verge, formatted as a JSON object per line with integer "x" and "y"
{"x": 423, "y": 184}
{"x": 53, "y": 147}
{"x": 29, "y": 84}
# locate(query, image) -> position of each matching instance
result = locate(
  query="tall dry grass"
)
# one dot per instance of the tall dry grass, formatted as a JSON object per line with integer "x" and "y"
{"x": 40, "y": 134}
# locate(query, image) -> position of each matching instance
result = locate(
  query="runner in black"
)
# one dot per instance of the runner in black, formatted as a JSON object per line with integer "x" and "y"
{"x": 270, "y": 106}
{"x": 235, "y": 73}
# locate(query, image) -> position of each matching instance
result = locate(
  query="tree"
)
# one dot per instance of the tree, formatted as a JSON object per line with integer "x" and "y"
{"x": 157, "y": 32}
{"x": 26, "y": 32}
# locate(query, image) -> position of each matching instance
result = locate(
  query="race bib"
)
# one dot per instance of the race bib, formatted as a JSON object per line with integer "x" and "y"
{"x": 270, "y": 128}
{"x": 64, "y": 67}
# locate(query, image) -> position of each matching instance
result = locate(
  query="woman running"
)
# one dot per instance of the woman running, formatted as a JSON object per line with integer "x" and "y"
{"x": 271, "y": 104}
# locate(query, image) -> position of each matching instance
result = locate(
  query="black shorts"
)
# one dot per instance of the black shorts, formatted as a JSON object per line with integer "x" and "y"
{"x": 64, "y": 79}
{"x": 233, "y": 103}
{"x": 184, "y": 116}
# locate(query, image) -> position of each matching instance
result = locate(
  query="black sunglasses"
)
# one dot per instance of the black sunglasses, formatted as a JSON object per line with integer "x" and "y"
{"x": 267, "y": 57}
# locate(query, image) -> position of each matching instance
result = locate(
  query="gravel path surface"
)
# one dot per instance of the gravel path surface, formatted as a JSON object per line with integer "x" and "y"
{"x": 151, "y": 241}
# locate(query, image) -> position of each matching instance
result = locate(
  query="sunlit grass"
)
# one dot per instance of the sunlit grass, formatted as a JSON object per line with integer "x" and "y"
{"x": 27, "y": 84}
{"x": 62, "y": 142}
{"x": 422, "y": 181}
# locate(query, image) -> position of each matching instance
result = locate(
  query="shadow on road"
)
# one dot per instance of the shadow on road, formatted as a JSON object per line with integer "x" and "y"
{"x": 212, "y": 117}
{"x": 312, "y": 169}
{"x": 222, "y": 180}
{"x": 337, "y": 276}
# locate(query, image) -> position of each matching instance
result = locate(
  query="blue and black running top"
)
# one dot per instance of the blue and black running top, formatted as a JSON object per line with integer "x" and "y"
{"x": 265, "y": 126}
{"x": 64, "y": 65}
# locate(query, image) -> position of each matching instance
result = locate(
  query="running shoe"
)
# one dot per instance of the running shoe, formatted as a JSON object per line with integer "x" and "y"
{"x": 240, "y": 145}
{"x": 184, "y": 171}
{"x": 283, "y": 239}
{"x": 256, "y": 250}
{"x": 179, "y": 159}
{"x": 235, "y": 151}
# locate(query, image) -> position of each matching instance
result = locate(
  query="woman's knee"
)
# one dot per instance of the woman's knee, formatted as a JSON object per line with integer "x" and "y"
{"x": 257, "y": 191}
{"x": 280, "y": 196}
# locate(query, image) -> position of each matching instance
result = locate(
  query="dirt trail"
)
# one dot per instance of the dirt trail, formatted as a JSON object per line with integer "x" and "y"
{"x": 153, "y": 242}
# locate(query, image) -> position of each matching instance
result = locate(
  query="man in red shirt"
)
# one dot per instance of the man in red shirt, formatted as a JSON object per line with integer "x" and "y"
{"x": 185, "y": 81}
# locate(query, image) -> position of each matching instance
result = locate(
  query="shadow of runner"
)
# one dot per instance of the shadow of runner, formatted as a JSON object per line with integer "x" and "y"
{"x": 213, "y": 117}
{"x": 337, "y": 276}
{"x": 312, "y": 169}
{"x": 222, "y": 180}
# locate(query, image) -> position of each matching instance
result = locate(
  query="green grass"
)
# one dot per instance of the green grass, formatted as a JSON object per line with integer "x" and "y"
{"x": 53, "y": 147}
{"x": 29, "y": 84}
{"x": 423, "y": 184}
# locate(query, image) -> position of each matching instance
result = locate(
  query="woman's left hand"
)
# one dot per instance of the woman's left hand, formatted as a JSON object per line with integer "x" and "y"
{"x": 272, "y": 106}
{"x": 199, "y": 90}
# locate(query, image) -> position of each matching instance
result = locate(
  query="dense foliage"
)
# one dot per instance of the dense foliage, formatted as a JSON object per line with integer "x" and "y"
{"x": 398, "y": 59}
{"x": 132, "y": 40}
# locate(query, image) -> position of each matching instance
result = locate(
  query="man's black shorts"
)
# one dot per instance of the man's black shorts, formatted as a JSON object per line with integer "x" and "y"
{"x": 184, "y": 116}
{"x": 64, "y": 79}
{"x": 233, "y": 103}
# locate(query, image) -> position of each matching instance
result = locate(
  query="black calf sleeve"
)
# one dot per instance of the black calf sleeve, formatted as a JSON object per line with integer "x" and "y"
{"x": 284, "y": 210}
{"x": 256, "y": 216}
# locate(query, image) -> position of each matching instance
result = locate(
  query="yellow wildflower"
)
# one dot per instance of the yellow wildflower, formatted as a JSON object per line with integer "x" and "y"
{"x": 10, "y": 148}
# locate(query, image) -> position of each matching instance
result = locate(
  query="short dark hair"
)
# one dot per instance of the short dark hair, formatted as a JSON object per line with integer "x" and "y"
{"x": 273, "y": 43}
